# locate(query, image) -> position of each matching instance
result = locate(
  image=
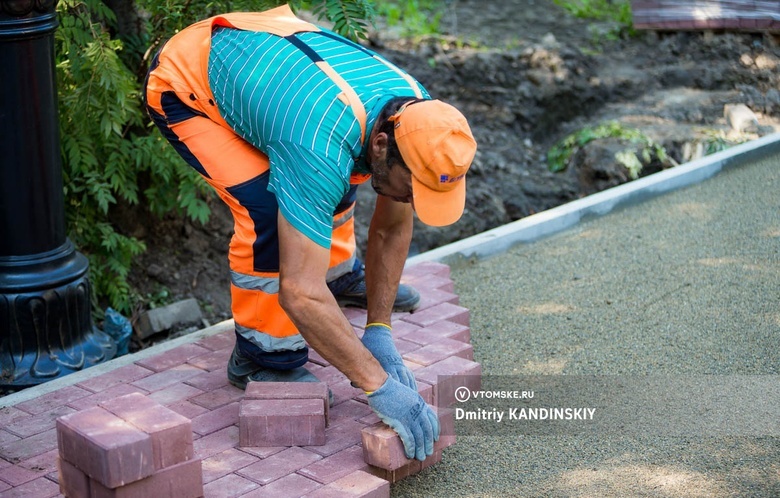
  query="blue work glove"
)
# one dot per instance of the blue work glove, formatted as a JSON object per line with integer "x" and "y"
{"x": 407, "y": 414}
{"x": 378, "y": 340}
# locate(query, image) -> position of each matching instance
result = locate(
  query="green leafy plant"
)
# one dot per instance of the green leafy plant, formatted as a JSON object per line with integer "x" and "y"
{"x": 643, "y": 150}
{"x": 417, "y": 17}
{"x": 111, "y": 153}
{"x": 618, "y": 11}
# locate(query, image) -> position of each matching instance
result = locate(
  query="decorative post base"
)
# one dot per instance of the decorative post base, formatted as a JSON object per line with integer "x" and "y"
{"x": 46, "y": 328}
{"x": 45, "y": 318}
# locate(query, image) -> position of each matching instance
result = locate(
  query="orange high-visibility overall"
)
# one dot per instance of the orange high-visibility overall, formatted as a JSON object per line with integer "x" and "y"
{"x": 182, "y": 106}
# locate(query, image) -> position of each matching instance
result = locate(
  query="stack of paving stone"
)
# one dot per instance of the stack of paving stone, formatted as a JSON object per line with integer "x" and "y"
{"x": 128, "y": 447}
{"x": 742, "y": 15}
{"x": 171, "y": 425}
{"x": 434, "y": 342}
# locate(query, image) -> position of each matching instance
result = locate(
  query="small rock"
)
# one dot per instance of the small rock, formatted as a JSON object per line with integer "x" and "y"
{"x": 165, "y": 318}
{"x": 155, "y": 271}
{"x": 740, "y": 117}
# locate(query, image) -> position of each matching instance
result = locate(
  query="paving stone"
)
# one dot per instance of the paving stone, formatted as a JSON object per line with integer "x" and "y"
{"x": 16, "y": 474}
{"x": 173, "y": 357}
{"x": 356, "y": 316}
{"x": 336, "y": 465}
{"x": 225, "y": 463}
{"x": 187, "y": 409}
{"x": 171, "y": 433}
{"x": 279, "y": 465}
{"x": 38, "y": 488}
{"x": 393, "y": 476}
{"x": 263, "y": 451}
{"x": 216, "y": 420}
{"x": 289, "y": 390}
{"x": 218, "y": 397}
{"x": 45, "y": 462}
{"x": 403, "y": 346}
{"x": 427, "y": 268}
{"x": 223, "y": 340}
{"x": 437, "y": 351}
{"x": 216, "y": 442}
{"x": 344, "y": 391}
{"x": 105, "y": 447}
{"x": 122, "y": 375}
{"x": 315, "y": 357}
{"x": 291, "y": 486}
{"x": 73, "y": 482}
{"x": 41, "y": 422}
{"x": 431, "y": 283}
{"x": 281, "y": 422}
{"x": 110, "y": 393}
{"x": 7, "y": 437}
{"x": 444, "y": 311}
{"x": 338, "y": 437}
{"x": 209, "y": 381}
{"x": 9, "y": 415}
{"x": 183, "y": 480}
{"x": 433, "y": 297}
{"x": 441, "y": 330}
{"x": 161, "y": 380}
{"x": 401, "y": 329}
{"x": 349, "y": 410}
{"x": 230, "y": 486}
{"x": 212, "y": 361}
{"x": 330, "y": 375}
{"x": 382, "y": 447}
{"x": 449, "y": 374}
{"x": 22, "y": 449}
{"x": 174, "y": 394}
{"x": 358, "y": 484}
{"x": 53, "y": 400}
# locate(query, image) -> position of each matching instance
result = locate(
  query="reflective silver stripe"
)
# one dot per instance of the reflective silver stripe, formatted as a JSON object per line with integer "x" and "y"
{"x": 268, "y": 285}
{"x": 270, "y": 343}
{"x": 340, "y": 269}
{"x": 345, "y": 217}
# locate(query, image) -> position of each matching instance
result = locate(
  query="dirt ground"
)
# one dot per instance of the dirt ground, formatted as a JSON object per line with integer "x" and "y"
{"x": 526, "y": 74}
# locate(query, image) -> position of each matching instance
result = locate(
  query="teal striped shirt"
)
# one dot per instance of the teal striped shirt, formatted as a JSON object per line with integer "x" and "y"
{"x": 272, "y": 94}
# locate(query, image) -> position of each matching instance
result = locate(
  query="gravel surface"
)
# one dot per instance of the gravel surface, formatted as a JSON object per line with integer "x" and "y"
{"x": 682, "y": 285}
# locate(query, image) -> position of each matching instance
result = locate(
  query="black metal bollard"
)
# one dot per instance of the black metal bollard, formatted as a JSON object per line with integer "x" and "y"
{"x": 46, "y": 328}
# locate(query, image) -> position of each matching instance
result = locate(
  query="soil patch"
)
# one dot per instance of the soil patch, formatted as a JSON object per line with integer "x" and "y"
{"x": 526, "y": 74}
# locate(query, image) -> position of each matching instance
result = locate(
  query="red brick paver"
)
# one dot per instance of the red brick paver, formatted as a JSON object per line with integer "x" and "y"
{"x": 190, "y": 382}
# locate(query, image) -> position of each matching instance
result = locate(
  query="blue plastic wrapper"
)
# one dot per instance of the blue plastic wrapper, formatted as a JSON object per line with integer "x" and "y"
{"x": 118, "y": 327}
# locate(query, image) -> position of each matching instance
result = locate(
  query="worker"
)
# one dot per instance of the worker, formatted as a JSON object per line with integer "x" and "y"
{"x": 284, "y": 119}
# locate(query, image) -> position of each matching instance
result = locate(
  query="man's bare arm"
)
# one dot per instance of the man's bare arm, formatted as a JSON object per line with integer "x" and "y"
{"x": 305, "y": 297}
{"x": 389, "y": 237}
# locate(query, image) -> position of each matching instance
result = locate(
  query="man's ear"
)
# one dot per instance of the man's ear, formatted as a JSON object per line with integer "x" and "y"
{"x": 379, "y": 144}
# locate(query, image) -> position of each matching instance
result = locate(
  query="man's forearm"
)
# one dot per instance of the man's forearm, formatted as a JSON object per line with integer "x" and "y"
{"x": 326, "y": 329}
{"x": 389, "y": 237}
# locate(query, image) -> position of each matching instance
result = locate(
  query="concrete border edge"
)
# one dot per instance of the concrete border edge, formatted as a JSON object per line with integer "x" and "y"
{"x": 546, "y": 223}
{"x": 88, "y": 373}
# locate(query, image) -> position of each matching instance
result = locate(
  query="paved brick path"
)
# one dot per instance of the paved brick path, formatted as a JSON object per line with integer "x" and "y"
{"x": 190, "y": 379}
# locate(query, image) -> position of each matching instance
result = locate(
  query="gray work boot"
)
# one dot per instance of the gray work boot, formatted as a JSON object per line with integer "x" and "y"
{"x": 350, "y": 290}
{"x": 242, "y": 370}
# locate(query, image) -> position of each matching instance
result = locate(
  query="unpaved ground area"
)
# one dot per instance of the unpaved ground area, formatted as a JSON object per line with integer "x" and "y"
{"x": 526, "y": 74}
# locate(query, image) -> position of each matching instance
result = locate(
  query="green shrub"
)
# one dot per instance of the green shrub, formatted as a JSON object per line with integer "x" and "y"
{"x": 110, "y": 151}
{"x": 618, "y": 11}
{"x": 646, "y": 148}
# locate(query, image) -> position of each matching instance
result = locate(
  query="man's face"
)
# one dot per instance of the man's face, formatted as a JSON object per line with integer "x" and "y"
{"x": 394, "y": 181}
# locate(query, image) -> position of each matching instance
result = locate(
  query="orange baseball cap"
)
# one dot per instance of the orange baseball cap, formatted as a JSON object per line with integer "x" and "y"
{"x": 437, "y": 146}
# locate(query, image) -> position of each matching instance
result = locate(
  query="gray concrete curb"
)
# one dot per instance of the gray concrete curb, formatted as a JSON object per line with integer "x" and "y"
{"x": 488, "y": 243}
{"x": 546, "y": 223}
{"x": 88, "y": 373}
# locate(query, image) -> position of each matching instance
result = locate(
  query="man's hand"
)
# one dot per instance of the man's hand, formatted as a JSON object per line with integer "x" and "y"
{"x": 405, "y": 411}
{"x": 378, "y": 340}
